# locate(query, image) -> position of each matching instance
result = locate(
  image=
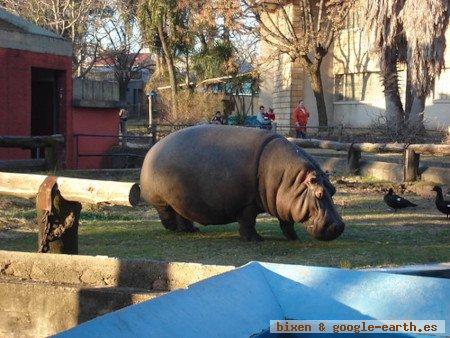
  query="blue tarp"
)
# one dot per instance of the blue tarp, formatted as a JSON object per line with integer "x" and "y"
{"x": 241, "y": 303}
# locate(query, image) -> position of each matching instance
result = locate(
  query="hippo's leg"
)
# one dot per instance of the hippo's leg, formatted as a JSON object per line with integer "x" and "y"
{"x": 185, "y": 225}
{"x": 168, "y": 217}
{"x": 247, "y": 221}
{"x": 288, "y": 230}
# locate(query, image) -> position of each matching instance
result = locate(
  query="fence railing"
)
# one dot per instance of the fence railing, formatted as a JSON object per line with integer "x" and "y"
{"x": 122, "y": 141}
{"x": 52, "y": 147}
{"x": 339, "y": 133}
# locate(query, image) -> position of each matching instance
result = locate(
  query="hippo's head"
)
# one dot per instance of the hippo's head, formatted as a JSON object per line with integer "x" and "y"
{"x": 314, "y": 206}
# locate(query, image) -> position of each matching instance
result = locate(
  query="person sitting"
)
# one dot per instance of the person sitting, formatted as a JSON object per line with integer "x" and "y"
{"x": 261, "y": 114}
{"x": 217, "y": 119}
{"x": 270, "y": 114}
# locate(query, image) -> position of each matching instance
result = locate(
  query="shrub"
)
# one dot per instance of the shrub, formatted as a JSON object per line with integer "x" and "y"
{"x": 193, "y": 107}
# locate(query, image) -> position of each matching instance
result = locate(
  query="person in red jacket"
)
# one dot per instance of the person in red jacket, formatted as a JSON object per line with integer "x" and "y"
{"x": 270, "y": 114}
{"x": 300, "y": 117}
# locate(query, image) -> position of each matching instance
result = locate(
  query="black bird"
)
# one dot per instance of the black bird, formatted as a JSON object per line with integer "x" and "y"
{"x": 396, "y": 202}
{"x": 441, "y": 204}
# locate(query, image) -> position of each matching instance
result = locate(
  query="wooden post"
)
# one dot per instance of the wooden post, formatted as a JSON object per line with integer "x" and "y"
{"x": 57, "y": 219}
{"x": 53, "y": 156}
{"x": 153, "y": 131}
{"x": 353, "y": 161}
{"x": 410, "y": 165}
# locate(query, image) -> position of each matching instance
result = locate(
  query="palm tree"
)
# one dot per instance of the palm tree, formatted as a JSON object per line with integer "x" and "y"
{"x": 413, "y": 33}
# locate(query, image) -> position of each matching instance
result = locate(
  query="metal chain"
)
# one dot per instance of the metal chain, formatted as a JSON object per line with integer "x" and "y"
{"x": 52, "y": 232}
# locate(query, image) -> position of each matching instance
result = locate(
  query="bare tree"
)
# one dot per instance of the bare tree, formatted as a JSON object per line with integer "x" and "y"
{"x": 121, "y": 45}
{"x": 72, "y": 19}
{"x": 304, "y": 30}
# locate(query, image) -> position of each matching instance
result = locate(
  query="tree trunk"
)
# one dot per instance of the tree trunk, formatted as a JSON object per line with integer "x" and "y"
{"x": 394, "y": 108}
{"x": 123, "y": 85}
{"x": 170, "y": 67}
{"x": 409, "y": 97}
{"x": 416, "y": 114}
{"x": 317, "y": 88}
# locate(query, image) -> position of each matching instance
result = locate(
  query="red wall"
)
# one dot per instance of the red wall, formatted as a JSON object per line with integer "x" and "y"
{"x": 15, "y": 97}
{"x": 94, "y": 121}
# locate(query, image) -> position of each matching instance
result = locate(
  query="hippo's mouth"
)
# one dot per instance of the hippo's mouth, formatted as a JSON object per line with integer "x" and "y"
{"x": 323, "y": 228}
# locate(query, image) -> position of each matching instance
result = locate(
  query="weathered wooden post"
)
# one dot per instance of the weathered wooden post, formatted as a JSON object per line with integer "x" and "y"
{"x": 411, "y": 162}
{"x": 153, "y": 131}
{"x": 353, "y": 160}
{"x": 57, "y": 220}
{"x": 54, "y": 156}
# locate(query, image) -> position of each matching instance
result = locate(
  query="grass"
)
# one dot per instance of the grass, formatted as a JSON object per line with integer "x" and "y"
{"x": 374, "y": 236}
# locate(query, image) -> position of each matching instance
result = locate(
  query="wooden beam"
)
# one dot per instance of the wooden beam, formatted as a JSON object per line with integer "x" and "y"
{"x": 431, "y": 149}
{"x": 320, "y": 144}
{"x": 423, "y": 149}
{"x": 30, "y": 142}
{"x": 73, "y": 189}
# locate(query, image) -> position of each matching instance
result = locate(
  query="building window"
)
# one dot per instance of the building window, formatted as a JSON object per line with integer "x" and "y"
{"x": 442, "y": 86}
{"x": 356, "y": 86}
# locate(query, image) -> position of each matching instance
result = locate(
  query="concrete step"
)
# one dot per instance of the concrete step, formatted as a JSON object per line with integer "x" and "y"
{"x": 35, "y": 309}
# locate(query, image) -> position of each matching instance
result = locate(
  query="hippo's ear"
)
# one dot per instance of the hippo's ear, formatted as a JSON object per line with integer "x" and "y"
{"x": 311, "y": 178}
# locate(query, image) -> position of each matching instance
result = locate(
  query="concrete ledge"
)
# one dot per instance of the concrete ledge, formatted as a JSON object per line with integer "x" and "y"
{"x": 439, "y": 270}
{"x": 90, "y": 271}
{"x": 42, "y": 294}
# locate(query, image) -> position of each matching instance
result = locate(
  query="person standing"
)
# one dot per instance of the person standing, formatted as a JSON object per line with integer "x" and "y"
{"x": 300, "y": 117}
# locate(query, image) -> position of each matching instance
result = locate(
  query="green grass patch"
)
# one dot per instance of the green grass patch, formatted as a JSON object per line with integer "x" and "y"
{"x": 374, "y": 236}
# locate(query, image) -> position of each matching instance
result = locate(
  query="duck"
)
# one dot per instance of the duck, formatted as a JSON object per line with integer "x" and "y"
{"x": 396, "y": 202}
{"x": 441, "y": 204}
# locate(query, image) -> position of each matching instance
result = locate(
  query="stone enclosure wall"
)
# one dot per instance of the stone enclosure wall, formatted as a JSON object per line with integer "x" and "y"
{"x": 42, "y": 294}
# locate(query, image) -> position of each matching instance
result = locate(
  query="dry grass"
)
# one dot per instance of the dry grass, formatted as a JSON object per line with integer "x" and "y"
{"x": 374, "y": 235}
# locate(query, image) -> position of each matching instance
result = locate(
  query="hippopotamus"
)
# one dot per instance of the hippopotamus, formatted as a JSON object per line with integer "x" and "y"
{"x": 214, "y": 174}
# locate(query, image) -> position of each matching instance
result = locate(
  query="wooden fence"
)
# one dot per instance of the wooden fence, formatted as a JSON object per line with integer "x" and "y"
{"x": 411, "y": 153}
{"x": 53, "y": 150}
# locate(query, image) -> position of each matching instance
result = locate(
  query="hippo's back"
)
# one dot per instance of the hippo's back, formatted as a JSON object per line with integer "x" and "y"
{"x": 206, "y": 173}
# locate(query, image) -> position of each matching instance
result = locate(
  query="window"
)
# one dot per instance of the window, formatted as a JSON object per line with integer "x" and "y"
{"x": 442, "y": 86}
{"x": 356, "y": 86}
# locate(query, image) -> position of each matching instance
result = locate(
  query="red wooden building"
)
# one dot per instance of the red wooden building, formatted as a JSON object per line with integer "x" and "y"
{"x": 36, "y": 94}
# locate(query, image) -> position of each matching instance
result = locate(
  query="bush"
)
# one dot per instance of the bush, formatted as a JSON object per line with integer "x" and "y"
{"x": 193, "y": 107}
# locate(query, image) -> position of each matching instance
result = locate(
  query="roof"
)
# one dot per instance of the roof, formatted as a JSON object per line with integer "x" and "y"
{"x": 141, "y": 59}
{"x": 18, "y": 33}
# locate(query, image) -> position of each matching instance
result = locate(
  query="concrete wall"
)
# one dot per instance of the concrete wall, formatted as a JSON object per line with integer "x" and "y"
{"x": 42, "y": 294}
